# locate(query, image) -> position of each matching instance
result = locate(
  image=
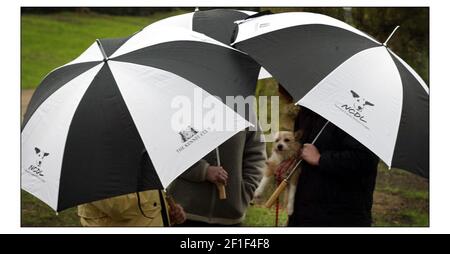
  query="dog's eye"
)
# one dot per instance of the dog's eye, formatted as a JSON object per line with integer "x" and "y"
{"x": 277, "y": 140}
{"x": 287, "y": 140}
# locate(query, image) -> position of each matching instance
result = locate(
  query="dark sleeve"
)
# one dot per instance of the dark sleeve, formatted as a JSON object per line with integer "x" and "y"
{"x": 253, "y": 163}
{"x": 353, "y": 158}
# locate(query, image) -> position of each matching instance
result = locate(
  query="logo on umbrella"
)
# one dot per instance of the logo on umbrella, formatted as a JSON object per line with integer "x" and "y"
{"x": 262, "y": 25}
{"x": 36, "y": 169}
{"x": 356, "y": 108}
{"x": 190, "y": 135}
{"x": 360, "y": 102}
{"x": 187, "y": 133}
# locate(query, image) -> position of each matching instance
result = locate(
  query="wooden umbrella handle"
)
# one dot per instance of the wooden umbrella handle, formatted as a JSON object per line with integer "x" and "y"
{"x": 276, "y": 194}
{"x": 221, "y": 189}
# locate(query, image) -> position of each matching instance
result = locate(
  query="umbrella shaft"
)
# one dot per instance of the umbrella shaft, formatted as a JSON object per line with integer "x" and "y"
{"x": 320, "y": 132}
{"x": 218, "y": 157}
{"x": 293, "y": 170}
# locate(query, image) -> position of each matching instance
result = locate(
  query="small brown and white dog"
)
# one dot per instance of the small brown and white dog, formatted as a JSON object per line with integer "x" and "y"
{"x": 285, "y": 147}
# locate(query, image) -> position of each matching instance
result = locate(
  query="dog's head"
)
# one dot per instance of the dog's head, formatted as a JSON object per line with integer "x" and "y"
{"x": 40, "y": 156}
{"x": 360, "y": 102}
{"x": 286, "y": 143}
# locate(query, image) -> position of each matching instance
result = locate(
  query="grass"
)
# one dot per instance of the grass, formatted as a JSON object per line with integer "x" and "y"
{"x": 409, "y": 194}
{"x": 262, "y": 217}
{"x": 48, "y": 41}
{"x": 400, "y": 199}
{"x": 37, "y": 214}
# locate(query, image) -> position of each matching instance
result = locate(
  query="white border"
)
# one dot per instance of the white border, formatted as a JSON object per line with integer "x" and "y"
{"x": 10, "y": 105}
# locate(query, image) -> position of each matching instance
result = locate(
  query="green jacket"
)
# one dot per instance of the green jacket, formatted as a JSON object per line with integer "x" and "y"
{"x": 243, "y": 157}
{"x": 123, "y": 211}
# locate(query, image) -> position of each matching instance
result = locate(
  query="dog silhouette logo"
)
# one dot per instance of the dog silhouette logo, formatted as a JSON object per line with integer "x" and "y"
{"x": 36, "y": 169}
{"x": 40, "y": 156}
{"x": 360, "y": 103}
{"x": 355, "y": 109}
{"x": 187, "y": 133}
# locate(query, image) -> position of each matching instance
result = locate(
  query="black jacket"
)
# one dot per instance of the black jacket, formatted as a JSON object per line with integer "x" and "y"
{"x": 338, "y": 192}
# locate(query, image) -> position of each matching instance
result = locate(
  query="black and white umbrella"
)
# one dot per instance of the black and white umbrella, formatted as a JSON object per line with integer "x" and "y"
{"x": 349, "y": 78}
{"x": 218, "y": 24}
{"x": 90, "y": 121}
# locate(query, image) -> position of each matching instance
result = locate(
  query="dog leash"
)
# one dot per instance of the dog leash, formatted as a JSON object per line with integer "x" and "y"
{"x": 279, "y": 176}
{"x": 278, "y": 179}
{"x": 277, "y": 211}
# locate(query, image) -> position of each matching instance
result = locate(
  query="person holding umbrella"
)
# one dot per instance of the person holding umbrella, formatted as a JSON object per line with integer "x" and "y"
{"x": 372, "y": 101}
{"x": 152, "y": 208}
{"x": 338, "y": 177}
{"x": 242, "y": 158}
{"x": 101, "y": 126}
{"x": 125, "y": 211}
{"x": 216, "y": 191}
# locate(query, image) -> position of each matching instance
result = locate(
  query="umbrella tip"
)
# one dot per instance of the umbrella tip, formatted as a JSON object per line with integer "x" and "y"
{"x": 392, "y": 33}
{"x": 105, "y": 57}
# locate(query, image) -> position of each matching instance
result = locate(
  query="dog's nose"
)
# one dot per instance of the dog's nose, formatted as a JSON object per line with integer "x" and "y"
{"x": 280, "y": 147}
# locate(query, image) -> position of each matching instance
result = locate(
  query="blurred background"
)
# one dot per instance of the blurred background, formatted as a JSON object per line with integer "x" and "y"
{"x": 51, "y": 37}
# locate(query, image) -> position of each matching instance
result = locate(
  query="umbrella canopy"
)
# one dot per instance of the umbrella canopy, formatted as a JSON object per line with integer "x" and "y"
{"x": 218, "y": 24}
{"x": 90, "y": 121}
{"x": 349, "y": 78}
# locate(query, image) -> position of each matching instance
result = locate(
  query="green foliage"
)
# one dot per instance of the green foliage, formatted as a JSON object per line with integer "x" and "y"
{"x": 410, "y": 42}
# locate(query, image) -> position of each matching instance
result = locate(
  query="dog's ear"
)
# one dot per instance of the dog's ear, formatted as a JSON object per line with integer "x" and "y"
{"x": 298, "y": 135}
{"x": 37, "y": 150}
{"x": 369, "y": 103}
{"x": 46, "y": 154}
{"x": 355, "y": 95}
